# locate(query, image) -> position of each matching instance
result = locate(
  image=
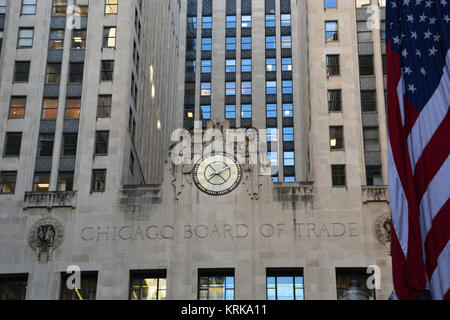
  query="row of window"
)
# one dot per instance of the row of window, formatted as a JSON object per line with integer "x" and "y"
{"x": 213, "y": 284}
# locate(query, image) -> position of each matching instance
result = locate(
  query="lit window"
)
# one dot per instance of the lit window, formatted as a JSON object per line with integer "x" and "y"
{"x": 289, "y": 159}
{"x": 271, "y": 42}
{"x": 246, "y": 111}
{"x": 25, "y": 38}
{"x": 331, "y": 31}
{"x": 286, "y": 42}
{"x": 231, "y": 22}
{"x": 285, "y": 20}
{"x": 271, "y": 65}
{"x": 288, "y": 134}
{"x": 148, "y": 285}
{"x": 286, "y": 64}
{"x": 246, "y": 88}
{"x": 230, "y": 65}
{"x": 270, "y": 20}
{"x": 216, "y": 285}
{"x": 111, "y": 6}
{"x": 206, "y": 89}
{"x": 288, "y": 111}
{"x": 230, "y": 43}
{"x": 246, "y": 43}
{"x": 246, "y": 21}
{"x": 205, "y": 112}
{"x": 230, "y": 111}
{"x": 207, "y": 22}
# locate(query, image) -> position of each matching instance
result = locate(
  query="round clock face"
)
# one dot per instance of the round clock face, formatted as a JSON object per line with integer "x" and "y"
{"x": 217, "y": 174}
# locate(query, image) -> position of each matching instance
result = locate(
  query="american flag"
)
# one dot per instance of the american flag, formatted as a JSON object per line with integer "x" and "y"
{"x": 418, "y": 95}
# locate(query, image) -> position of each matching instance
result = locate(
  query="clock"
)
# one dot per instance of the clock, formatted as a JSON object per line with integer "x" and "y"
{"x": 217, "y": 174}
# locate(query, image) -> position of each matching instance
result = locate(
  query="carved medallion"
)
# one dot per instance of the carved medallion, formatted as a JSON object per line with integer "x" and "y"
{"x": 383, "y": 230}
{"x": 46, "y": 235}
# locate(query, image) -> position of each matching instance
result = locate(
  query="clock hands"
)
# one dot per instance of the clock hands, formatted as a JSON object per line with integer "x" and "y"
{"x": 218, "y": 173}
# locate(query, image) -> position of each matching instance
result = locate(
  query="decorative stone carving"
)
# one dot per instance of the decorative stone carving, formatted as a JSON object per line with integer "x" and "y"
{"x": 50, "y": 200}
{"x": 45, "y": 236}
{"x": 375, "y": 194}
{"x": 383, "y": 231}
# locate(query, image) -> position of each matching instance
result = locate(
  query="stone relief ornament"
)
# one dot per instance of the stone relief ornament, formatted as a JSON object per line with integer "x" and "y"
{"x": 383, "y": 231}
{"x": 45, "y": 236}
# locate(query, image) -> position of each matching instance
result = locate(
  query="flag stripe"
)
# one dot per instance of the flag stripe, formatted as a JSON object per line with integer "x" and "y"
{"x": 440, "y": 281}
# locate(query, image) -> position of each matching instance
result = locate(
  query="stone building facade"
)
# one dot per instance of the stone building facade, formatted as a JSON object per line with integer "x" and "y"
{"x": 119, "y": 210}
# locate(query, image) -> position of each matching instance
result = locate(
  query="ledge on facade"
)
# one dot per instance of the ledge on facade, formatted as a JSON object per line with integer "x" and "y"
{"x": 51, "y": 199}
{"x": 375, "y": 194}
{"x": 140, "y": 193}
{"x": 294, "y": 191}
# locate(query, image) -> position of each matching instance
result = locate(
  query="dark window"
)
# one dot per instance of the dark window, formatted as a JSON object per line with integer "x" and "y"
{"x": 383, "y": 61}
{"x": 337, "y": 138}
{"x": 285, "y": 284}
{"x": 88, "y": 290}
{"x": 53, "y": 73}
{"x": 371, "y": 139}
{"x": 148, "y": 285}
{"x": 13, "y": 287}
{"x": 79, "y": 39}
{"x": 41, "y": 181}
{"x": 216, "y": 284}
{"x": 76, "y": 72}
{"x": 17, "y": 107}
{"x": 344, "y": 277}
{"x": 334, "y": 100}
{"x": 374, "y": 176}
{"x": 21, "y": 71}
{"x": 98, "y": 180}
{"x": 107, "y": 70}
{"x": 56, "y": 39}
{"x": 192, "y": 23}
{"x": 366, "y": 65}
{"x": 104, "y": 106}
{"x": 45, "y": 148}
{"x": 8, "y": 182}
{"x": 69, "y": 147}
{"x": 338, "y": 175}
{"x": 65, "y": 181}
{"x": 101, "y": 142}
{"x": 13, "y": 142}
{"x": 333, "y": 65}
{"x": 368, "y": 100}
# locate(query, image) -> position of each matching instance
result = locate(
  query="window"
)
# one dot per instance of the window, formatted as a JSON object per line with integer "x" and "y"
{"x": 190, "y": 66}
{"x": 246, "y": 65}
{"x": 69, "y": 144}
{"x": 205, "y": 112}
{"x": 56, "y": 39}
{"x": 271, "y": 65}
{"x": 207, "y": 22}
{"x": 104, "y": 106}
{"x": 271, "y": 42}
{"x": 368, "y": 100}
{"x": 21, "y": 71}
{"x": 383, "y": 61}
{"x": 25, "y": 38}
{"x": 246, "y": 111}
{"x": 246, "y": 43}
{"x": 148, "y": 285}
{"x": 73, "y": 108}
{"x": 45, "y": 148}
{"x": 41, "y": 182}
{"x": 53, "y": 75}
{"x": 338, "y": 175}
{"x": 288, "y": 134}
{"x": 271, "y": 110}
{"x": 216, "y": 285}
{"x": 286, "y": 42}
{"x": 111, "y": 6}
{"x": 333, "y": 65}
{"x": 330, "y": 3}
{"x": 1, "y": 39}
{"x": 7, "y": 185}
{"x": 285, "y": 20}
{"x": 13, "y": 287}
{"x": 107, "y": 70}
{"x": 17, "y": 107}
{"x": 230, "y": 43}
{"x": 88, "y": 284}
{"x": 230, "y": 111}
{"x": 50, "y": 108}
{"x": 192, "y": 23}
{"x": 231, "y": 22}
{"x": 205, "y": 88}
{"x": 344, "y": 277}
{"x": 366, "y": 65}
{"x": 272, "y": 134}
{"x": 65, "y": 181}
{"x": 286, "y": 64}
{"x": 246, "y": 88}
{"x": 285, "y": 284}
{"x": 337, "y": 138}
{"x": 101, "y": 143}
{"x": 109, "y": 37}
{"x": 207, "y": 44}
{"x": 371, "y": 139}
{"x": 84, "y": 6}
{"x": 98, "y": 180}
{"x": 13, "y": 142}
{"x": 334, "y": 100}
{"x": 206, "y": 66}
{"x": 28, "y": 7}
{"x": 271, "y": 87}
{"x": 230, "y": 65}
{"x": 374, "y": 176}
{"x": 331, "y": 31}
{"x": 246, "y": 21}
{"x": 189, "y": 90}
{"x": 2, "y": 7}
{"x": 289, "y": 159}
{"x": 79, "y": 39}
{"x": 273, "y": 157}
{"x": 59, "y": 7}
{"x": 286, "y": 86}
{"x": 270, "y": 20}
{"x": 230, "y": 88}
{"x": 76, "y": 72}
{"x": 191, "y": 45}
{"x": 288, "y": 110}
